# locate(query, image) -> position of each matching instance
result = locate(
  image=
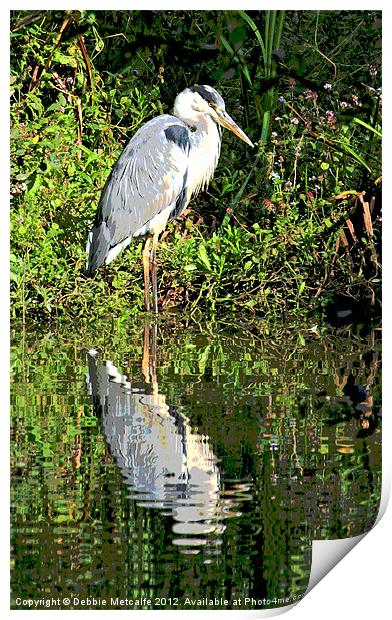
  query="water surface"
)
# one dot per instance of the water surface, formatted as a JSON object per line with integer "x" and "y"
{"x": 187, "y": 465}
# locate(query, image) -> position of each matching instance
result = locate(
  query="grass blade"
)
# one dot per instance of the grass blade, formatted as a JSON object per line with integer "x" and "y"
{"x": 256, "y": 32}
{"x": 369, "y": 127}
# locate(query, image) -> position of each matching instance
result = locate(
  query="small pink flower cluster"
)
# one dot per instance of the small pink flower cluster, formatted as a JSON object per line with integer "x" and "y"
{"x": 331, "y": 118}
{"x": 310, "y": 94}
{"x": 19, "y": 188}
{"x": 356, "y": 101}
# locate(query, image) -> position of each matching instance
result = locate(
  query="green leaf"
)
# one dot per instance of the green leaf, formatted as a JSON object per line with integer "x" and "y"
{"x": 369, "y": 127}
{"x": 14, "y": 276}
{"x": 246, "y": 73}
{"x": 347, "y": 149}
{"x": 36, "y": 185}
{"x": 238, "y": 35}
{"x": 62, "y": 59}
{"x": 301, "y": 339}
{"x": 228, "y": 47}
{"x": 204, "y": 257}
{"x": 235, "y": 56}
{"x": 256, "y": 32}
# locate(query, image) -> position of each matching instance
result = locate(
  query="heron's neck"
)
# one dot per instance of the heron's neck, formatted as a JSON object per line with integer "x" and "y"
{"x": 197, "y": 122}
{"x": 204, "y": 130}
{"x": 203, "y": 154}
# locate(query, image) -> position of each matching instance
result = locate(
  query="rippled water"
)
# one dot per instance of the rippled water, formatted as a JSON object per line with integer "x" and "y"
{"x": 187, "y": 466}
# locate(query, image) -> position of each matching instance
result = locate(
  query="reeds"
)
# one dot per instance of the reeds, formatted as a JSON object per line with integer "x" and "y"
{"x": 273, "y": 27}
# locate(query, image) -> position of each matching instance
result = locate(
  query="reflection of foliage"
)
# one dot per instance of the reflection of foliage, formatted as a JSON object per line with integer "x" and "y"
{"x": 82, "y": 82}
{"x": 277, "y": 416}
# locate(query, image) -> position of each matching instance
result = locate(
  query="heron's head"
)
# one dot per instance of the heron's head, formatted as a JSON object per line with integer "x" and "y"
{"x": 206, "y": 100}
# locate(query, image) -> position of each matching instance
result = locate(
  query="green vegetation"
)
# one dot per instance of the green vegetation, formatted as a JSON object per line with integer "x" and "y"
{"x": 279, "y": 230}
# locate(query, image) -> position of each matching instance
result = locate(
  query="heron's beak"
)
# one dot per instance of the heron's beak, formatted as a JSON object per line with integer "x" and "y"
{"x": 226, "y": 121}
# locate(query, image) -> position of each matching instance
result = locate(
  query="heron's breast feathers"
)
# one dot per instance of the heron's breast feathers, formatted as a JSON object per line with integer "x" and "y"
{"x": 203, "y": 157}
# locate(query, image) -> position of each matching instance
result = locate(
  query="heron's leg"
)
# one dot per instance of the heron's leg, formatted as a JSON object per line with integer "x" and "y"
{"x": 146, "y": 270}
{"x": 153, "y": 259}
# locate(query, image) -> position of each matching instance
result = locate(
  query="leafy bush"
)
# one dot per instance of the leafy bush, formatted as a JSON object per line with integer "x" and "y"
{"x": 271, "y": 237}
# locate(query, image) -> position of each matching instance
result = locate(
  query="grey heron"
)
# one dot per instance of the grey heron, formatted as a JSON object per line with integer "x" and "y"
{"x": 168, "y": 160}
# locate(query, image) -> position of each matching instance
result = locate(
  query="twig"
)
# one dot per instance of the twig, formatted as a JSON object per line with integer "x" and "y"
{"x": 87, "y": 61}
{"x": 366, "y": 215}
{"x": 297, "y": 152}
{"x": 64, "y": 25}
{"x": 328, "y": 269}
{"x": 319, "y": 51}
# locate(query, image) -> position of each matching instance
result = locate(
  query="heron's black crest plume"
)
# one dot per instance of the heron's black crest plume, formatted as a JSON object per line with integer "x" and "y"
{"x": 209, "y": 95}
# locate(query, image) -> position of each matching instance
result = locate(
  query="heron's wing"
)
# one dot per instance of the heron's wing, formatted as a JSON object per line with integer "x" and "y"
{"x": 149, "y": 176}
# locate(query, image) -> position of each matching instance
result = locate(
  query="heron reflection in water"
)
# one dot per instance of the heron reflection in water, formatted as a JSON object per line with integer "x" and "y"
{"x": 166, "y": 463}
